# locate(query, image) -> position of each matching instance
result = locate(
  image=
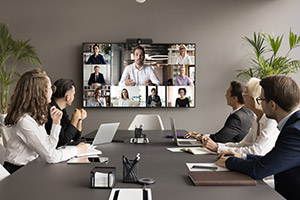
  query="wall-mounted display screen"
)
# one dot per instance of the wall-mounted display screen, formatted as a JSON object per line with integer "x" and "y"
{"x": 148, "y": 75}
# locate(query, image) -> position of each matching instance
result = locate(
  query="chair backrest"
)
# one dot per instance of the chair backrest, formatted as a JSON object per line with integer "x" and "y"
{"x": 150, "y": 122}
{"x": 3, "y": 172}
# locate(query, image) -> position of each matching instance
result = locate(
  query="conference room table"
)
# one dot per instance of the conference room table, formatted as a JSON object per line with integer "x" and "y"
{"x": 41, "y": 181}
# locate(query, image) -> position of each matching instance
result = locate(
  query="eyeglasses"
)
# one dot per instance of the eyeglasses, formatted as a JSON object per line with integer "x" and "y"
{"x": 53, "y": 87}
{"x": 259, "y": 100}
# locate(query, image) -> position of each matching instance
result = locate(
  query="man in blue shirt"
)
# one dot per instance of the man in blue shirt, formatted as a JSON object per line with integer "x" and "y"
{"x": 280, "y": 97}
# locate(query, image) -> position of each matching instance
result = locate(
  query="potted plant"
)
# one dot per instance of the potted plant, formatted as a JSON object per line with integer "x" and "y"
{"x": 12, "y": 52}
{"x": 266, "y": 60}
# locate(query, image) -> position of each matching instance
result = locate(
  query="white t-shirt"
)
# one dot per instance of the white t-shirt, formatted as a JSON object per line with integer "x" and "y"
{"x": 124, "y": 103}
{"x": 183, "y": 61}
{"x": 139, "y": 76}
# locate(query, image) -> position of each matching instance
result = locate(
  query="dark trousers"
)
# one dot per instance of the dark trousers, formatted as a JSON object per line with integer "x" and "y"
{"x": 11, "y": 168}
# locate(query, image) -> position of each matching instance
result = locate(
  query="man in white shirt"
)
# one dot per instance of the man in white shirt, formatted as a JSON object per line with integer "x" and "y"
{"x": 137, "y": 74}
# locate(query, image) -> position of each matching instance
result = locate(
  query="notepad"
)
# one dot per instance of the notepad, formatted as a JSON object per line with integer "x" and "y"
{"x": 129, "y": 193}
{"x": 205, "y": 167}
{"x": 197, "y": 150}
{"x": 228, "y": 178}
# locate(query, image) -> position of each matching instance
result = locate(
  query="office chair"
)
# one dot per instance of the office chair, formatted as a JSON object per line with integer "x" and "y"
{"x": 150, "y": 122}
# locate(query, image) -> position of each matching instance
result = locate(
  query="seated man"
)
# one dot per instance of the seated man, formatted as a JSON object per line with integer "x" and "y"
{"x": 280, "y": 97}
{"x": 239, "y": 121}
{"x": 137, "y": 74}
{"x": 97, "y": 100}
{"x": 96, "y": 78}
{"x": 263, "y": 133}
{"x": 96, "y": 58}
{"x": 61, "y": 98}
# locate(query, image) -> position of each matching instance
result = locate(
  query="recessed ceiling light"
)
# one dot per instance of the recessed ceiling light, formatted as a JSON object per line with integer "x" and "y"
{"x": 140, "y": 1}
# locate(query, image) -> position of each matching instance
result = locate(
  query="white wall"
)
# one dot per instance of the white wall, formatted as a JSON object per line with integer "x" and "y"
{"x": 58, "y": 28}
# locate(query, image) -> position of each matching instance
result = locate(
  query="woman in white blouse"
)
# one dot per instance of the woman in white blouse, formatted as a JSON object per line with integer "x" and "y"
{"x": 124, "y": 101}
{"x": 262, "y": 135}
{"x": 27, "y": 115}
{"x": 183, "y": 58}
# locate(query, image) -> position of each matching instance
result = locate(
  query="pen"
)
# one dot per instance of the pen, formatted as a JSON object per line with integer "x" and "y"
{"x": 204, "y": 167}
{"x": 116, "y": 195}
{"x": 131, "y": 171}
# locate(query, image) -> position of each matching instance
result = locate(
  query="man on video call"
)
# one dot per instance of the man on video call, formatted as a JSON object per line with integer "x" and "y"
{"x": 96, "y": 78}
{"x": 137, "y": 74}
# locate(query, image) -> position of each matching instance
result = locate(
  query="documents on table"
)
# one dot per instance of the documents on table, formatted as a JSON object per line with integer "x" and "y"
{"x": 90, "y": 152}
{"x": 204, "y": 167}
{"x": 193, "y": 150}
{"x": 130, "y": 193}
{"x": 197, "y": 150}
{"x": 175, "y": 149}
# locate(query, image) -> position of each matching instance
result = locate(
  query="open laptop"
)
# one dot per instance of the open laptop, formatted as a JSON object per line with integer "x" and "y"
{"x": 105, "y": 133}
{"x": 183, "y": 142}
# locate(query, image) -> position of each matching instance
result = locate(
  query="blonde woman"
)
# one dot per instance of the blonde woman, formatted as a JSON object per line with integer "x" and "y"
{"x": 183, "y": 58}
{"x": 27, "y": 115}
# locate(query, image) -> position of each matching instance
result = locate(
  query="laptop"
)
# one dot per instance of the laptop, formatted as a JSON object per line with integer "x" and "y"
{"x": 105, "y": 133}
{"x": 183, "y": 142}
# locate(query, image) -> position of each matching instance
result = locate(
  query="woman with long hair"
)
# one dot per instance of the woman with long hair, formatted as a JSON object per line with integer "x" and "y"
{"x": 124, "y": 101}
{"x": 27, "y": 114}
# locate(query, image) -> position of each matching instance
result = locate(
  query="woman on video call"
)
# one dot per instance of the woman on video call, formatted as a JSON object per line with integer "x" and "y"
{"x": 182, "y": 101}
{"x": 124, "y": 100}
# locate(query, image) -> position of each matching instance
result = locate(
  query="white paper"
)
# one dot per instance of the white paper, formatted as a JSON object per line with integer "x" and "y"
{"x": 90, "y": 152}
{"x": 199, "y": 150}
{"x": 189, "y": 166}
{"x": 175, "y": 149}
{"x": 130, "y": 193}
{"x": 76, "y": 160}
{"x": 101, "y": 179}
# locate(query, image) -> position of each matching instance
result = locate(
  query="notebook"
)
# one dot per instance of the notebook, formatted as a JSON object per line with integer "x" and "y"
{"x": 197, "y": 150}
{"x": 183, "y": 142}
{"x": 221, "y": 178}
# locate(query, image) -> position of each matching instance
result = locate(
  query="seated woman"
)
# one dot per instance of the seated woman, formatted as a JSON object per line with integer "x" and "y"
{"x": 182, "y": 101}
{"x": 262, "y": 135}
{"x": 182, "y": 79}
{"x": 27, "y": 115}
{"x": 97, "y": 101}
{"x": 183, "y": 58}
{"x": 124, "y": 101}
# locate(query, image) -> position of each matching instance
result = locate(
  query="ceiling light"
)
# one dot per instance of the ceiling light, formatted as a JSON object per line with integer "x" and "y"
{"x": 140, "y": 1}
